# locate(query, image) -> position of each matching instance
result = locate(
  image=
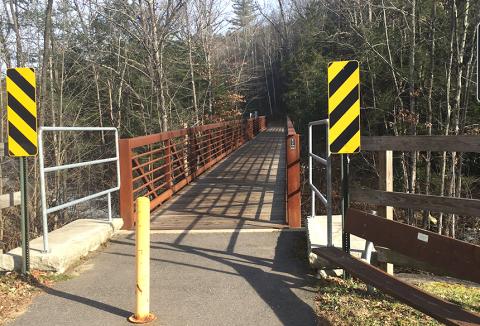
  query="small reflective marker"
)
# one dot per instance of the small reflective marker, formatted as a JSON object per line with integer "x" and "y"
{"x": 422, "y": 237}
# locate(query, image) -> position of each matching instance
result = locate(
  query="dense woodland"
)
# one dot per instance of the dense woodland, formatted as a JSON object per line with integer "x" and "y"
{"x": 151, "y": 66}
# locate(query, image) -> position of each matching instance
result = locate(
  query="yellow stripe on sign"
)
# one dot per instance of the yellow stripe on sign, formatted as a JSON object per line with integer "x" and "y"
{"x": 335, "y": 99}
{"x": 18, "y": 122}
{"x": 337, "y": 129}
{"x": 352, "y": 144}
{"x": 28, "y": 74}
{"x": 21, "y": 97}
{"x": 335, "y": 68}
{"x": 16, "y": 149}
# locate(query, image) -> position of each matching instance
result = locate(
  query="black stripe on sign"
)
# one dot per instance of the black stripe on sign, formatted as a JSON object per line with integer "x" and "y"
{"x": 342, "y": 77}
{"x": 22, "y": 112}
{"x": 345, "y": 136}
{"x": 21, "y": 82}
{"x": 21, "y": 140}
{"x": 343, "y": 107}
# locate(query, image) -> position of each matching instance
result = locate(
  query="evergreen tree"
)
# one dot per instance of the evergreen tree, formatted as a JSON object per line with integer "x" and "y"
{"x": 244, "y": 14}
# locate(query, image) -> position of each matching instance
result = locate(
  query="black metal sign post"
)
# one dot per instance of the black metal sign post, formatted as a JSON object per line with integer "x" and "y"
{"x": 24, "y": 216}
{"x": 345, "y": 204}
{"x": 22, "y": 138}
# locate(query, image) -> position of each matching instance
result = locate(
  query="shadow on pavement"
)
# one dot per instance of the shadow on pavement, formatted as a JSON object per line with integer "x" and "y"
{"x": 273, "y": 280}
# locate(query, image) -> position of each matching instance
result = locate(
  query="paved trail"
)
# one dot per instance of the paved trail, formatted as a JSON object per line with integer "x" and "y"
{"x": 258, "y": 278}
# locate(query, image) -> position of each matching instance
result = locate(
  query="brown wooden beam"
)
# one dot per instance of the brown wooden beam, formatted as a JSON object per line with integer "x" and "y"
{"x": 458, "y": 258}
{"x": 441, "y": 310}
{"x": 422, "y": 143}
{"x": 461, "y": 206}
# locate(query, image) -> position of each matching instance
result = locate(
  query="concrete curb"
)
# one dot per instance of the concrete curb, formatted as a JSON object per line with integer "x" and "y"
{"x": 317, "y": 237}
{"x": 68, "y": 245}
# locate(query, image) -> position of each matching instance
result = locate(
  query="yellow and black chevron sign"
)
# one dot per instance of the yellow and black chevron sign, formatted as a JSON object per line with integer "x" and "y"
{"x": 344, "y": 107}
{"x": 21, "y": 112}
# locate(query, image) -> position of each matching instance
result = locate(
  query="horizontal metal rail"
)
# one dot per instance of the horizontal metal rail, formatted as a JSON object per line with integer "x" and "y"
{"x": 327, "y": 198}
{"x": 318, "y": 193}
{"x": 318, "y": 158}
{"x": 318, "y": 123}
{"x": 46, "y": 128}
{"x": 78, "y": 165}
{"x": 43, "y": 170}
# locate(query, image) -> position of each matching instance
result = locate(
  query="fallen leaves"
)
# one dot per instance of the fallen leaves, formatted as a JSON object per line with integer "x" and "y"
{"x": 17, "y": 291}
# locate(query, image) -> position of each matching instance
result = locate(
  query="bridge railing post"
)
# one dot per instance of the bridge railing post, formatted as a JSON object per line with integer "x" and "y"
{"x": 262, "y": 123}
{"x": 126, "y": 184}
{"x": 250, "y": 129}
{"x": 294, "y": 196}
{"x": 209, "y": 147}
{"x": 168, "y": 163}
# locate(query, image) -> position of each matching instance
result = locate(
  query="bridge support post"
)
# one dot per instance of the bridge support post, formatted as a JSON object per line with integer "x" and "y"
{"x": 294, "y": 198}
{"x": 126, "y": 185}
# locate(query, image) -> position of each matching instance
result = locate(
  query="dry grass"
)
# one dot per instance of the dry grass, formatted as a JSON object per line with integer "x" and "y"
{"x": 347, "y": 302}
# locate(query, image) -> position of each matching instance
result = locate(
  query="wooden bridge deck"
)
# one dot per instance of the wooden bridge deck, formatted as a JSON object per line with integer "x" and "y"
{"x": 246, "y": 190}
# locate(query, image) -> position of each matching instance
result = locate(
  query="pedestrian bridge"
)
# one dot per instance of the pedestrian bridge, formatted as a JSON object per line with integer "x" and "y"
{"x": 227, "y": 175}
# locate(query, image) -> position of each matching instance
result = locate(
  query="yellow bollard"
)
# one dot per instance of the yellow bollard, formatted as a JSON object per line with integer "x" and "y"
{"x": 142, "y": 246}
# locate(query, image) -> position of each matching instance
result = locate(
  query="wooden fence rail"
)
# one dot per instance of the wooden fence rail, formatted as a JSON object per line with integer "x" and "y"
{"x": 464, "y": 143}
{"x": 385, "y": 145}
{"x": 385, "y": 198}
{"x": 159, "y": 165}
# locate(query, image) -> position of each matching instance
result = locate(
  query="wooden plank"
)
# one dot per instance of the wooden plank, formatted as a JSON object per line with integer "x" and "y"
{"x": 458, "y": 258}
{"x": 463, "y": 143}
{"x": 10, "y": 200}
{"x": 441, "y": 310}
{"x": 460, "y": 206}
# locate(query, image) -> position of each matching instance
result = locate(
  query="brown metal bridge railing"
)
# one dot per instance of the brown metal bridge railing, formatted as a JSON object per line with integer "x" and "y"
{"x": 159, "y": 165}
{"x": 293, "y": 191}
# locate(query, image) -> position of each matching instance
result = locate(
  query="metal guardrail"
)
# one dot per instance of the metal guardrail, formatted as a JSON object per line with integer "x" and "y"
{"x": 327, "y": 162}
{"x": 43, "y": 170}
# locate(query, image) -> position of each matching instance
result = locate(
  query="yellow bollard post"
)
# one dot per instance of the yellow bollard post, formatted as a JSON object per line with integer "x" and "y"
{"x": 142, "y": 246}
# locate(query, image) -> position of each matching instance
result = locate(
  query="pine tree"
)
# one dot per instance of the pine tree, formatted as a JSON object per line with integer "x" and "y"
{"x": 244, "y": 14}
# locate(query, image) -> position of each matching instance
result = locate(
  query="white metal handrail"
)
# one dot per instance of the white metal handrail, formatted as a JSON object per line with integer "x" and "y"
{"x": 327, "y": 198}
{"x": 46, "y": 210}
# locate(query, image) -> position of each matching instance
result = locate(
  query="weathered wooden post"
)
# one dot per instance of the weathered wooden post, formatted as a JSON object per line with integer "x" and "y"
{"x": 385, "y": 162}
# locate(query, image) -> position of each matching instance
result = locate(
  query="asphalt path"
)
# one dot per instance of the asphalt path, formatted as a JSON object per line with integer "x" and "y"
{"x": 229, "y": 278}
